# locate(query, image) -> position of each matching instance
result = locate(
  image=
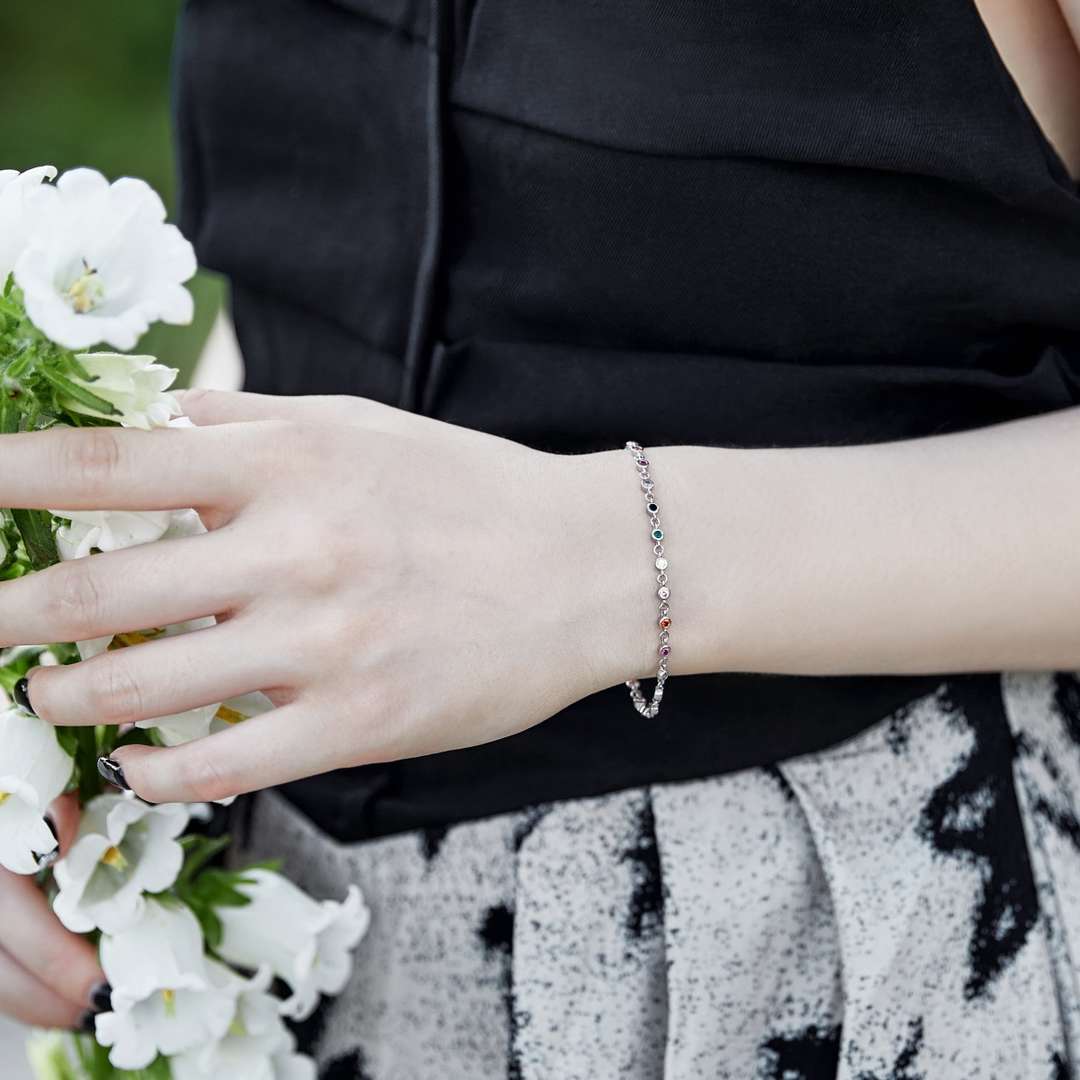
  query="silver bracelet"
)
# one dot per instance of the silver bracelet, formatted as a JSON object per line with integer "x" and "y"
{"x": 663, "y": 593}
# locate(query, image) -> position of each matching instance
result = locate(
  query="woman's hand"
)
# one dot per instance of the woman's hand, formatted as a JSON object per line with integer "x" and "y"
{"x": 398, "y": 586}
{"x": 49, "y": 977}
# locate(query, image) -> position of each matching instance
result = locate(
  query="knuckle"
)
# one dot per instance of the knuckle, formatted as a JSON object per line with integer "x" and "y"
{"x": 203, "y": 779}
{"x": 77, "y": 598}
{"x": 200, "y": 401}
{"x": 89, "y": 456}
{"x": 113, "y": 691}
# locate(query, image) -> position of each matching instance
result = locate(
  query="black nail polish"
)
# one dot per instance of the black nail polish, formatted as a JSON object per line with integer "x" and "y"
{"x": 101, "y": 998}
{"x": 21, "y": 693}
{"x": 86, "y": 1022}
{"x": 111, "y": 771}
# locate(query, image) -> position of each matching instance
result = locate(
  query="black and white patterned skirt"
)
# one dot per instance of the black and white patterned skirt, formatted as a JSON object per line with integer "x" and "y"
{"x": 904, "y": 906}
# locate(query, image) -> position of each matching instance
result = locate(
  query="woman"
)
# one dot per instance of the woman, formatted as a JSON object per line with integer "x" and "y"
{"x": 821, "y": 261}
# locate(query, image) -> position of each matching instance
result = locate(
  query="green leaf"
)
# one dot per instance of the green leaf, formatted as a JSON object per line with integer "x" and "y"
{"x": 35, "y": 526}
{"x": 198, "y": 851}
{"x": 76, "y": 392}
{"x": 79, "y": 368}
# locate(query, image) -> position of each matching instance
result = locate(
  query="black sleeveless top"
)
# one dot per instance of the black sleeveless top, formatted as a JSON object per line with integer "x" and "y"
{"x": 574, "y": 222}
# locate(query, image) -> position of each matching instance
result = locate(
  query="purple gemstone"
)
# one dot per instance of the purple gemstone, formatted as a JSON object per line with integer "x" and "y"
{"x": 665, "y": 650}
{"x": 643, "y": 461}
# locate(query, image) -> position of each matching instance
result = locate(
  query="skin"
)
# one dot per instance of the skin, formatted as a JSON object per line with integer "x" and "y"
{"x": 400, "y": 586}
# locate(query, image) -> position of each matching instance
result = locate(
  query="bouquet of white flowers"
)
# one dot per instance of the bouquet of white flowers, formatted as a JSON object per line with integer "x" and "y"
{"x": 204, "y": 963}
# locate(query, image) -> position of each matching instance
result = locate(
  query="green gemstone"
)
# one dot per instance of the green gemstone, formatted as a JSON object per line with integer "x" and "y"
{"x": 658, "y": 534}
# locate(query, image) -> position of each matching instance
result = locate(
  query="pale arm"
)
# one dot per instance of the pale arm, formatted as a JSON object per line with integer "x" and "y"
{"x": 952, "y": 553}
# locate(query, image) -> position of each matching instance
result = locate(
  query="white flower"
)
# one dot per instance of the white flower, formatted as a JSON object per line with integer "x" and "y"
{"x": 51, "y": 1055}
{"x": 123, "y": 532}
{"x": 101, "y": 264}
{"x": 306, "y": 942}
{"x": 135, "y": 385}
{"x": 257, "y": 1045}
{"x": 124, "y": 848}
{"x": 107, "y": 530}
{"x": 163, "y": 997}
{"x": 16, "y": 217}
{"x": 207, "y": 719}
{"x": 34, "y": 770}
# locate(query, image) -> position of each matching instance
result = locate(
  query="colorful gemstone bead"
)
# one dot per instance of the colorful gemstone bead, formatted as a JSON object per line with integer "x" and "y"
{"x": 658, "y": 534}
{"x": 665, "y": 622}
{"x": 665, "y": 650}
{"x": 651, "y": 508}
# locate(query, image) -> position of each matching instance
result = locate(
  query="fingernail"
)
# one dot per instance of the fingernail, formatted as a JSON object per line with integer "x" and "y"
{"x": 87, "y": 1022}
{"x": 21, "y": 693}
{"x": 101, "y": 998}
{"x": 111, "y": 771}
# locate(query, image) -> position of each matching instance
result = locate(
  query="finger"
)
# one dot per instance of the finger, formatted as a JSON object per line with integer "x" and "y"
{"x": 150, "y": 585}
{"x": 210, "y": 407}
{"x": 65, "y": 815}
{"x": 26, "y": 999}
{"x": 160, "y": 677}
{"x": 63, "y": 961}
{"x": 274, "y": 748}
{"x": 111, "y": 468}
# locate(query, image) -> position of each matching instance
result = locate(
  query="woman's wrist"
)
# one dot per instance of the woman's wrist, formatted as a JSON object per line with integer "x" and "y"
{"x": 607, "y": 560}
{"x": 610, "y": 545}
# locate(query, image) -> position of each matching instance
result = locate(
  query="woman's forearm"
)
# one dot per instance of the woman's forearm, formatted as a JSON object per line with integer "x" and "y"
{"x": 952, "y": 553}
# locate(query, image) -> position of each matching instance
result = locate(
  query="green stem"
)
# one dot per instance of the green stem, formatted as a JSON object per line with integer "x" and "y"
{"x": 35, "y": 527}
{"x": 90, "y": 782}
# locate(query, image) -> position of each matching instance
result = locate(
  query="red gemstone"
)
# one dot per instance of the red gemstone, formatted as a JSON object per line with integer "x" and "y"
{"x": 665, "y": 622}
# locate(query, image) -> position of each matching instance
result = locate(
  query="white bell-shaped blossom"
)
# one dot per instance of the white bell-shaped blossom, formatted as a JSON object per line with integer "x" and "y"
{"x": 107, "y": 530}
{"x": 34, "y": 770}
{"x": 101, "y": 264}
{"x": 306, "y": 942}
{"x": 134, "y": 385}
{"x": 207, "y": 719}
{"x": 164, "y": 1000}
{"x": 52, "y": 1055}
{"x": 124, "y": 847}
{"x": 257, "y": 1046}
{"x": 123, "y": 532}
{"x": 17, "y": 214}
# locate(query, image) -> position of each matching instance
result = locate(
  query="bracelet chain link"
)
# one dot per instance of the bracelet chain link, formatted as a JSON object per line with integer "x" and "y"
{"x": 663, "y": 592}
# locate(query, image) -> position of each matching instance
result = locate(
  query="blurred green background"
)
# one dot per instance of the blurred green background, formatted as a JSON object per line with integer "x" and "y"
{"x": 88, "y": 84}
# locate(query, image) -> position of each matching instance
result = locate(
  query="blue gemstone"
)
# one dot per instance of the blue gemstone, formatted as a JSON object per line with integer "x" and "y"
{"x": 658, "y": 534}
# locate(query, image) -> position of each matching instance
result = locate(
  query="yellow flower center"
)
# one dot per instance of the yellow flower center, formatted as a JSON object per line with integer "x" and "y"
{"x": 133, "y": 637}
{"x": 169, "y": 997}
{"x": 229, "y": 716}
{"x": 114, "y": 857}
{"x": 4, "y": 796}
{"x": 86, "y": 291}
